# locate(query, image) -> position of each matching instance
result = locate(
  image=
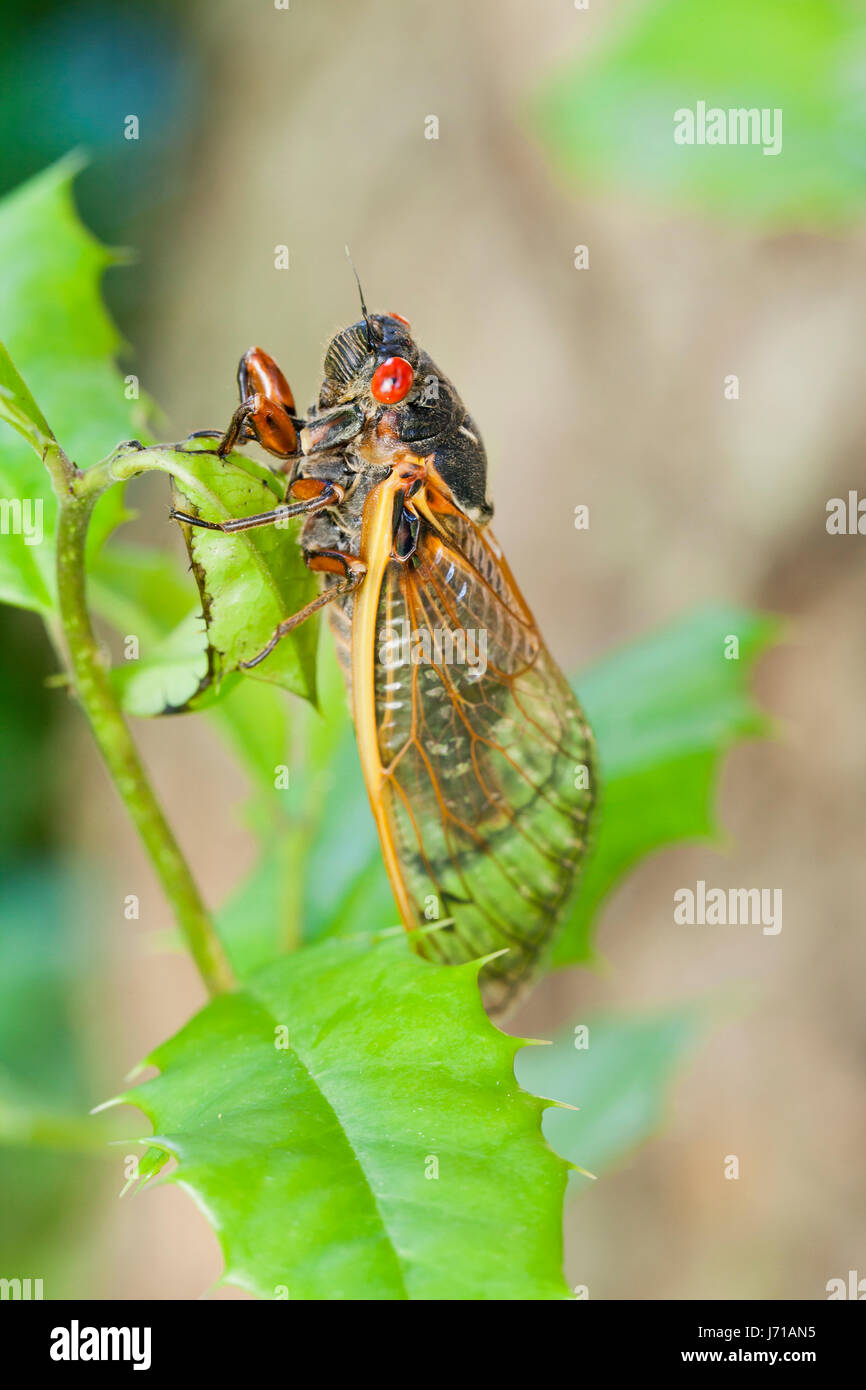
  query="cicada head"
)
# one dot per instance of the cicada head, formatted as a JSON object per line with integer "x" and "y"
{"x": 356, "y": 363}
{"x": 377, "y": 365}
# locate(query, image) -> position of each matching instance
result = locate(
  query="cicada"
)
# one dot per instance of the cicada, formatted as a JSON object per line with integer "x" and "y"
{"x": 477, "y": 757}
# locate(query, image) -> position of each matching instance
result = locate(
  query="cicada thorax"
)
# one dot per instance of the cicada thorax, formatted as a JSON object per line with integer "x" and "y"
{"x": 340, "y": 529}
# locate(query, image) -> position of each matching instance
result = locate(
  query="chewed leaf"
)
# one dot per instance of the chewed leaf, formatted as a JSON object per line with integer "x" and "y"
{"x": 171, "y": 676}
{"x": 251, "y": 581}
{"x": 350, "y": 1124}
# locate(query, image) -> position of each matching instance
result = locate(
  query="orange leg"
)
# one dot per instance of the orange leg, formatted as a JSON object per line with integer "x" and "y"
{"x": 267, "y": 409}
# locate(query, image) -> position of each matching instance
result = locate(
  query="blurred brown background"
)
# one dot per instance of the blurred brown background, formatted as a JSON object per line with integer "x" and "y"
{"x": 603, "y": 387}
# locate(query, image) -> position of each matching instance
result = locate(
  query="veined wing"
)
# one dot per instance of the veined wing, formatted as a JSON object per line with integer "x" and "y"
{"x": 477, "y": 756}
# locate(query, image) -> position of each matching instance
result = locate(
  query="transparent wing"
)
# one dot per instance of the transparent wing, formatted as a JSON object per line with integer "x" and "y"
{"x": 484, "y": 781}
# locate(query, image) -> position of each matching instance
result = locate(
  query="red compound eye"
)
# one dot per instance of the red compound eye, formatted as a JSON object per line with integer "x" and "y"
{"x": 392, "y": 380}
{"x": 399, "y": 318}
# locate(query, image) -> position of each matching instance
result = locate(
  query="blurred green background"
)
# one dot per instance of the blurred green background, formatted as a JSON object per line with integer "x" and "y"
{"x": 306, "y": 127}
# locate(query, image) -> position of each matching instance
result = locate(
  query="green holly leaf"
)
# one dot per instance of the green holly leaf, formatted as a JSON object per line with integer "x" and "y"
{"x": 256, "y": 921}
{"x": 254, "y": 719}
{"x": 355, "y": 888}
{"x": 665, "y": 711}
{"x": 607, "y": 116}
{"x": 617, "y": 1071}
{"x": 64, "y": 346}
{"x": 350, "y": 1123}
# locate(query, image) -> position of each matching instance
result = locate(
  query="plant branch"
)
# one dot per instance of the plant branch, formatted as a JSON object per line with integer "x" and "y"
{"x": 94, "y": 691}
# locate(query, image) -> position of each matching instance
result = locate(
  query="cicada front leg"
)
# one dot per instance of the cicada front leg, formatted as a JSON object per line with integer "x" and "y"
{"x": 267, "y": 414}
{"x": 267, "y": 409}
{"x": 349, "y": 567}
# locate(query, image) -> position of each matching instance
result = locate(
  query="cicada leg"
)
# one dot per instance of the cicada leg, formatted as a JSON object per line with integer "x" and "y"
{"x": 330, "y": 495}
{"x": 267, "y": 409}
{"x": 265, "y": 420}
{"x": 353, "y": 571}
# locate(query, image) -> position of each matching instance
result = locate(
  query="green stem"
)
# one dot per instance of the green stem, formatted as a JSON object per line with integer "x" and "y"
{"x": 94, "y": 691}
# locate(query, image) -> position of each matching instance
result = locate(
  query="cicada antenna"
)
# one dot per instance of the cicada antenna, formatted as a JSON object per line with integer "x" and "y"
{"x": 368, "y": 321}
